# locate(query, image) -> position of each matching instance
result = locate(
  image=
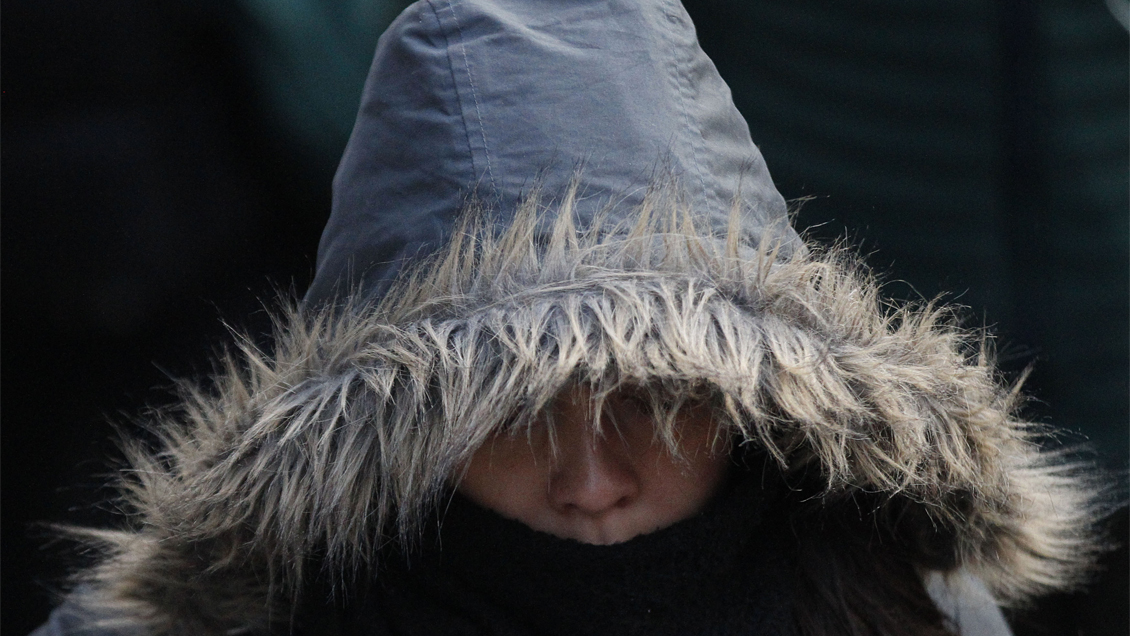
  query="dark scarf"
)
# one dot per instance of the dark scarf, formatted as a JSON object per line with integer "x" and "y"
{"x": 725, "y": 571}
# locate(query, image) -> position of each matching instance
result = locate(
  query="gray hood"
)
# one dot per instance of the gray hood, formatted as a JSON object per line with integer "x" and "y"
{"x": 490, "y": 98}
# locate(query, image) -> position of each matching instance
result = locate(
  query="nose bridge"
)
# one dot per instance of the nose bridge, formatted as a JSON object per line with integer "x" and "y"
{"x": 593, "y": 472}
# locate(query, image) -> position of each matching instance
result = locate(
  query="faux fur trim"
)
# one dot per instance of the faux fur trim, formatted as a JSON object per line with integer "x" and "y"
{"x": 345, "y": 434}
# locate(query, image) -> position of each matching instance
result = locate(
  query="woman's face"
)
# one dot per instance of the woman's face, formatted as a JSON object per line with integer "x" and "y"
{"x": 599, "y": 487}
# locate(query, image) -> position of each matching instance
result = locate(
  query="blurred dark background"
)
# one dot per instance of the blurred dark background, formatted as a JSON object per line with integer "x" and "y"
{"x": 166, "y": 170}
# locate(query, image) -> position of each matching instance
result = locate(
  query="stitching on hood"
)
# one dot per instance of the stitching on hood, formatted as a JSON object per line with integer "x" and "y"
{"x": 474, "y": 97}
{"x": 675, "y": 11}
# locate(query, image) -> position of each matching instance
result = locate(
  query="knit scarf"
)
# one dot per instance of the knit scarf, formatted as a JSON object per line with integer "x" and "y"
{"x": 725, "y": 571}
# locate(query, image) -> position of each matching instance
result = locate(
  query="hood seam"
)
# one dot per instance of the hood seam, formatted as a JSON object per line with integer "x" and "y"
{"x": 470, "y": 79}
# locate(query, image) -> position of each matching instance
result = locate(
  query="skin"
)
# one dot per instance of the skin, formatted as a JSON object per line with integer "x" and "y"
{"x": 600, "y": 487}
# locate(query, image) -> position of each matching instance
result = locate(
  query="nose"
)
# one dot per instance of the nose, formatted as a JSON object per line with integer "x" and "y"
{"x": 593, "y": 473}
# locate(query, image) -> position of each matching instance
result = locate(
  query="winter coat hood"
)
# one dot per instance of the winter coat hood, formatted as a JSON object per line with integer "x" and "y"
{"x": 605, "y": 219}
{"x": 492, "y": 99}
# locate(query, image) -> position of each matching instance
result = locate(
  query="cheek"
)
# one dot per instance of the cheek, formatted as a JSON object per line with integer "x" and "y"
{"x": 505, "y": 475}
{"x": 682, "y": 486}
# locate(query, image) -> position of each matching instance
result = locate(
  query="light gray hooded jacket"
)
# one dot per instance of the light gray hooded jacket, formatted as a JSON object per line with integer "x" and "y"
{"x": 543, "y": 192}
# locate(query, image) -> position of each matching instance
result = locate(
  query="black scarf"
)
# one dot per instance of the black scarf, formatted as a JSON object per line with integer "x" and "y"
{"x": 725, "y": 571}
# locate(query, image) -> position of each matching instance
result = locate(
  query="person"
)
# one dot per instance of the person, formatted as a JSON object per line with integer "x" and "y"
{"x": 565, "y": 368}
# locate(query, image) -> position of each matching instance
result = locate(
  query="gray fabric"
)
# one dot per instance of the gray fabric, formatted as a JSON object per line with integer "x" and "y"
{"x": 72, "y": 619}
{"x": 968, "y": 604}
{"x": 489, "y": 97}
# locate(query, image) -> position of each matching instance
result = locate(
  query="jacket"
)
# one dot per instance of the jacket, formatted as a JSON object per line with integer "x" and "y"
{"x": 537, "y": 194}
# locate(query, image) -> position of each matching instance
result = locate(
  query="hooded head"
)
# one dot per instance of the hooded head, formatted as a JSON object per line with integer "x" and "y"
{"x": 494, "y": 99}
{"x": 541, "y": 195}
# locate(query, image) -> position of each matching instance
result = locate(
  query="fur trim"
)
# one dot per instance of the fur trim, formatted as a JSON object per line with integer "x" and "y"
{"x": 346, "y": 434}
